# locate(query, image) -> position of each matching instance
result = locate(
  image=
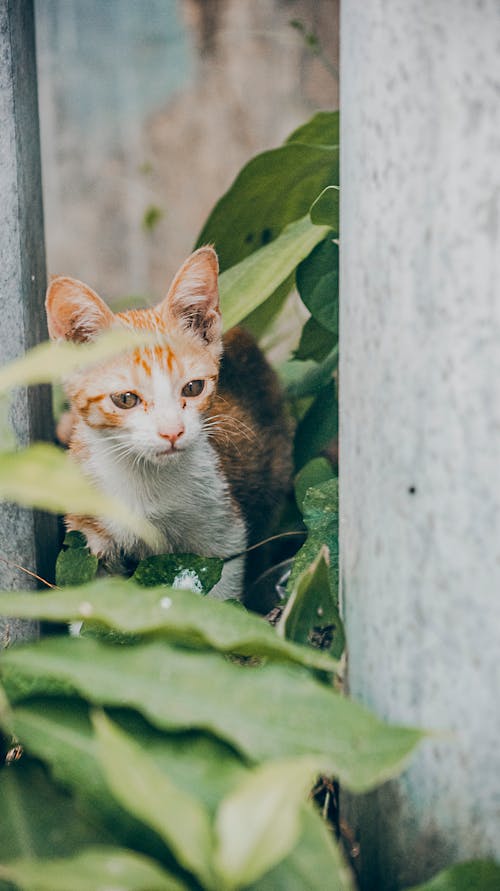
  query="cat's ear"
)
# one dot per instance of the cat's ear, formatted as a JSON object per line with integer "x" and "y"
{"x": 74, "y": 311}
{"x": 193, "y": 298}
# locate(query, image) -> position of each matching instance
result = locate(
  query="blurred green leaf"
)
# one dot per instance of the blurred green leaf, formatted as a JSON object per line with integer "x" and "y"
{"x": 325, "y": 210}
{"x": 50, "y": 362}
{"x": 320, "y": 511}
{"x": 94, "y": 869}
{"x": 271, "y": 711}
{"x": 260, "y": 822}
{"x": 321, "y": 129}
{"x": 315, "y": 472}
{"x": 318, "y": 284}
{"x": 311, "y": 614}
{"x": 147, "y": 793}
{"x": 185, "y": 571}
{"x": 274, "y": 189}
{"x": 475, "y": 875}
{"x": 314, "y": 864}
{"x": 151, "y": 217}
{"x": 46, "y": 477}
{"x": 38, "y": 819}
{"x": 318, "y": 427}
{"x": 181, "y": 616}
{"x": 250, "y": 282}
{"x": 59, "y": 732}
{"x": 315, "y": 342}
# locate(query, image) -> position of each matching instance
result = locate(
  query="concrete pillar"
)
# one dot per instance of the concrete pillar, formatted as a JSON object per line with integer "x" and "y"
{"x": 27, "y": 538}
{"x": 420, "y": 417}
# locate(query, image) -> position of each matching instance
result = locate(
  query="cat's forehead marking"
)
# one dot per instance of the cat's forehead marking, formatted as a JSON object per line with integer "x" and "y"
{"x": 160, "y": 356}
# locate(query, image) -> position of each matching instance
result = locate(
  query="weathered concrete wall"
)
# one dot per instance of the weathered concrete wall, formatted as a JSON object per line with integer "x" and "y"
{"x": 420, "y": 417}
{"x": 159, "y": 104}
{"x": 27, "y": 538}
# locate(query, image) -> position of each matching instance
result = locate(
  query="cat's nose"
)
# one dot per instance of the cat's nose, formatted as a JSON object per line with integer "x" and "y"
{"x": 172, "y": 435}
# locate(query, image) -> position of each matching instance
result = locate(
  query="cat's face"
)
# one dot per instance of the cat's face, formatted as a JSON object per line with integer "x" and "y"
{"x": 151, "y": 403}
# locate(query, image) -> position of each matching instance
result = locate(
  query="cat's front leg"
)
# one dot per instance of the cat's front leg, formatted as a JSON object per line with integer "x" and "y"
{"x": 230, "y": 586}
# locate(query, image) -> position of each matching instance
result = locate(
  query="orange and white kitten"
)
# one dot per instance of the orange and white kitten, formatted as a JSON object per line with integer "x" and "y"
{"x": 189, "y": 431}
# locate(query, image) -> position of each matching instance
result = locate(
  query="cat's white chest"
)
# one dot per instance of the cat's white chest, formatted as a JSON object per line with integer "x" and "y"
{"x": 188, "y": 501}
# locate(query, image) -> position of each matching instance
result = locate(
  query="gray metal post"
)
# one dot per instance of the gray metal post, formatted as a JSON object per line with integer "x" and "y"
{"x": 420, "y": 417}
{"x": 27, "y": 538}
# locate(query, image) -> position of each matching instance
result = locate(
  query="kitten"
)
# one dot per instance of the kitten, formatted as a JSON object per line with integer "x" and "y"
{"x": 189, "y": 432}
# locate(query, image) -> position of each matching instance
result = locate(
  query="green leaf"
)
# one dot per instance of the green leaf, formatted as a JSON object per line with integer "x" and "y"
{"x": 322, "y": 129}
{"x": 272, "y": 190}
{"x": 50, "y": 362}
{"x": 97, "y": 868}
{"x": 475, "y": 875}
{"x": 321, "y": 516}
{"x": 318, "y": 284}
{"x": 180, "y": 616}
{"x": 37, "y": 818}
{"x": 260, "y": 320}
{"x": 46, "y": 477}
{"x": 310, "y": 380}
{"x": 250, "y": 282}
{"x": 325, "y": 210}
{"x": 311, "y": 614}
{"x": 185, "y": 571}
{"x": 318, "y": 427}
{"x": 315, "y": 342}
{"x": 259, "y": 823}
{"x": 315, "y": 472}
{"x": 75, "y": 565}
{"x": 147, "y": 793}
{"x": 271, "y": 711}
{"x": 59, "y": 733}
{"x": 314, "y": 864}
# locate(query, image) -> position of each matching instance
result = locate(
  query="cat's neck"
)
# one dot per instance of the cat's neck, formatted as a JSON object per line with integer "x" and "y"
{"x": 187, "y": 498}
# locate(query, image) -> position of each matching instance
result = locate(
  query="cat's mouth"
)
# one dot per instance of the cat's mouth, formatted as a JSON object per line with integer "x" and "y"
{"x": 162, "y": 455}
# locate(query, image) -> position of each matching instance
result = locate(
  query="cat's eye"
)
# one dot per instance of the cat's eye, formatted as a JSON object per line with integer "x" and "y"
{"x": 125, "y": 400}
{"x": 193, "y": 388}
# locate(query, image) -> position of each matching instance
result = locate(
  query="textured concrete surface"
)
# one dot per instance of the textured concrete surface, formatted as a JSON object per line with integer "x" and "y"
{"x": 420, "y": 417}
{"x": 27, "y": 538}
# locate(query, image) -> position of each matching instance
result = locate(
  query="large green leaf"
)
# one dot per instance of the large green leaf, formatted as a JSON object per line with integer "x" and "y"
{"x": 59, "y": 733}
{"x": 250, "y": 282}
{"x": 475, "y": 875}
{"x": 50, "y": 362}
{"x": 265, "y": 712}
{"x": 149, "y": 794}
{"x": 322, "y": 129}
{"x": 314, "y": 864}
{"x": 321, "y": 516}
{"x": 37, "y": 819}
{"x": 179, "y": 615}
{"x": 311, "y": 614}
{"x": 273, "y": 189}
{"x": 94, "y": 869}
{"x": 318, "y": 284}
{"x": 46, "y": 477}
{"x": 259, "y": 823}
{"x": 318, "y": 427}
